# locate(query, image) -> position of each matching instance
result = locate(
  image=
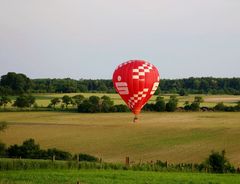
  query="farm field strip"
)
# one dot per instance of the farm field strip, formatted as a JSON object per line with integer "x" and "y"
{"x": 175, "y": 137}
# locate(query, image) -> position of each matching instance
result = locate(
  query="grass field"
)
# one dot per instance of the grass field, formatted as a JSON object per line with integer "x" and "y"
{"x": 110, "y": 177}
{"x": 175, "y": 137}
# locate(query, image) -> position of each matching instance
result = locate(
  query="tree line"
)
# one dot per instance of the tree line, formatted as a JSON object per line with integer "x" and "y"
{"x": 105, "y": 104}
{"x": 14, "y": 83}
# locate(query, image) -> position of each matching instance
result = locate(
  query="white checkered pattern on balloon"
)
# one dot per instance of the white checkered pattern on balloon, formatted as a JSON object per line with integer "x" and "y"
{"x": 137, "y": 97}
{"x": 139, "y": 73}
{"x": 123, "y": 64}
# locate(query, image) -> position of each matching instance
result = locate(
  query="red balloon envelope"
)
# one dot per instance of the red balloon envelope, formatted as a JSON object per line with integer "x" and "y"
{"x": 136, "y": 81}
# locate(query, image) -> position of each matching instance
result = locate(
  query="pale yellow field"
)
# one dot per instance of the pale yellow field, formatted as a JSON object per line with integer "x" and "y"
{"x": 176, "y": 137}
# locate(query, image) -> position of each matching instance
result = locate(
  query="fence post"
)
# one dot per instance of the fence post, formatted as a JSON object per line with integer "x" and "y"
{"x": 53, "y": 158}
{"x": 127, "y": 161}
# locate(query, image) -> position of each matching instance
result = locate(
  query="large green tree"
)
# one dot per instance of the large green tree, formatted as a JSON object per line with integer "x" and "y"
{"x": 15, "y": 83}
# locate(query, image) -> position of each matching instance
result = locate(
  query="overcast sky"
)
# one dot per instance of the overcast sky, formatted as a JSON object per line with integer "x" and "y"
{"x": 89, "y": 38}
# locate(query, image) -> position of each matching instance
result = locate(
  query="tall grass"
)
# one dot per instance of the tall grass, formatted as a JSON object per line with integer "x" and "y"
{"x": 31, "y": 164}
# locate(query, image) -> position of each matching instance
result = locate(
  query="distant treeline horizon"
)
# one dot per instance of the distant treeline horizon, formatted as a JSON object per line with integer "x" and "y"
{"x": 16, "y": 83}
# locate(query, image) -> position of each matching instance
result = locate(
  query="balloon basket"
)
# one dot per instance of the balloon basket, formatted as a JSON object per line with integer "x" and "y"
{"x": 135, "y": 119}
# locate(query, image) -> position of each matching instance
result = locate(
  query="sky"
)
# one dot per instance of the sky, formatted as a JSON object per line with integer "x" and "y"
{"x": 89, "y": 38}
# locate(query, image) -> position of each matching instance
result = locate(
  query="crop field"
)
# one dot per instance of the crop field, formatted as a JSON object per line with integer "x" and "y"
{"x": 110, "y": 177}
{"x": 174, "y": 137}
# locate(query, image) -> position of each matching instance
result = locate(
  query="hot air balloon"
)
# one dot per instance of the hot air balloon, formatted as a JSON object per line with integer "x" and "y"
{"x": 136, "y": 81}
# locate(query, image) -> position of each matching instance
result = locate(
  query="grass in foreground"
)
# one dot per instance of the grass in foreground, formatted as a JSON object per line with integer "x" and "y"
{"x": 112, "y": 177}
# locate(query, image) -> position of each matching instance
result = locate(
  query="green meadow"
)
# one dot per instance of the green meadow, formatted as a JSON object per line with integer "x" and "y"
{"x": 112, "y": 177}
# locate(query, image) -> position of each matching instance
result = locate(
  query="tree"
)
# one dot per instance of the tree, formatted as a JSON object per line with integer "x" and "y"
{"x": 55, "y": 101}
{"x": 94, "y": 100}
{"x": 24, "y": 101}
{"x": 160, "y": 104}
{"x": 106, "y": 104}
{"x": 4, "y": 100}
{"x": 67, "y": 100}
{"x": 85, "y": 106}
{"x": 16, "y": 83}
{"x": 171, "y": 106}
{"x": 95, "y": 104}
{"x": 78, "y": 99}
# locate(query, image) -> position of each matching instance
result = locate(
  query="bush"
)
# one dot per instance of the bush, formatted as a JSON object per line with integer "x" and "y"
{"x": 29, "y": 149}
{"x": 160, "y": 104}
{"x": 195, "y": 106}
{"x": 171, "y": 106}
{"x": 218, "y": 163}
{"x": 86, "y": 157}
{"x": 219, "y": 107}
{"x": 120, "y": 108}
{"x": 149, "y": 107}
{"x": 2, "y": 150}
{"x": 59, "y": 154}
{"x": 24, "y": 101}
{"x": 187, "y": 106}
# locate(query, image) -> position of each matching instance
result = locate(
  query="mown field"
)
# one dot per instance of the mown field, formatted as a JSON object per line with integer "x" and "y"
{"x": 176, "y": 137}
{"x": 110, "y": 177}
